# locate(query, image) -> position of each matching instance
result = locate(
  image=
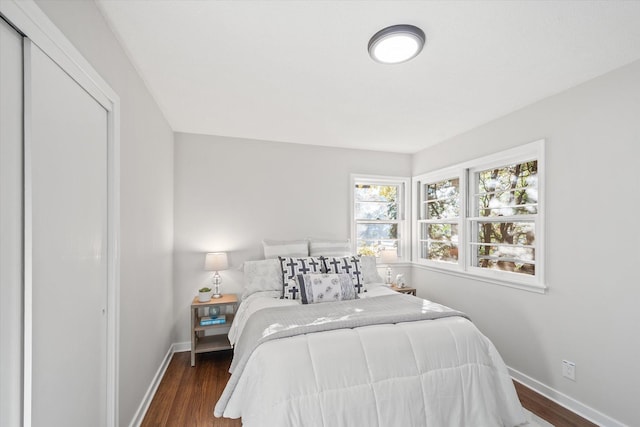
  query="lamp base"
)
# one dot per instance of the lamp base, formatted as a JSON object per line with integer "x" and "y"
{"x": 216, "y": 286}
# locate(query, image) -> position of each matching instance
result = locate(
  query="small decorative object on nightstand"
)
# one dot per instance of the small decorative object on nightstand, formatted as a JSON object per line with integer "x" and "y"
{"x": 210, "y": 315}
{"x": 204, "y": 294}
{"x": 405, "y": 290}
{"x": 216, "y": 261}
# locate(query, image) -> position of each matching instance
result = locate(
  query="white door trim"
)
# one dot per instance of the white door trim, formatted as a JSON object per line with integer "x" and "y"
{"x": 29, "y": 19}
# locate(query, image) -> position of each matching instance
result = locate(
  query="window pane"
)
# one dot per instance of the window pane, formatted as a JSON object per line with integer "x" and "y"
{"x": 376, "y": 202}
{"x": 376, "y": 211}
{"x": 377, "y": 231}
{"x": 440, "y": 242}
{"x": 508, "y": 190}
{"x": 374, "y": 247}
{"x": 506, "y": 246}
{"x": 375, "y": 193}
{"x": 437, "y": 251}
{"x": 443, "y": 189}
{"x": 442, "y": 199}
{"x": 439, "y": 232}
{"x": 512, "y": 233}
{"x": 506, "y": 258}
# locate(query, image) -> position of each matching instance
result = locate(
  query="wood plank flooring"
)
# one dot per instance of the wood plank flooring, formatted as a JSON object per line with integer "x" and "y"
{"x": 549, "y": 410}
{"x": 186, "y": 396}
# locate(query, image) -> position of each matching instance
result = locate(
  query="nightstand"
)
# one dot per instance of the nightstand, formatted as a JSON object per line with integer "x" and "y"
{"x": 201, "y": 343}
{"x": 405, "y": 290}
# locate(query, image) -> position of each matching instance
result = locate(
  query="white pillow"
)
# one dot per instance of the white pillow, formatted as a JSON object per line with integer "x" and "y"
{"x": 369, "y": 269}
{"x": 336, "y": 248}
{"x": 285, "y": 249}
{"x": 263, "y": 275}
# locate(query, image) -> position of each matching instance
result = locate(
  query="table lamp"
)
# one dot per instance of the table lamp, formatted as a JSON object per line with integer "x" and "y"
{"x": 388, "y": 256}
{"x": 216, "y": 261}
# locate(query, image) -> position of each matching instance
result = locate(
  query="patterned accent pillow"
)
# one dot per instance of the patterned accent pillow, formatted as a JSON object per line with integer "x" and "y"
{"x": 349, "y": 265}
{"x": 291, "y": 267}
{"x": 291, "y": 290}
{"x": 315, "y": 288}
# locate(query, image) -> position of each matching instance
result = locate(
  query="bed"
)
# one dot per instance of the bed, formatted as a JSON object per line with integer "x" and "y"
{"x": 378, "y": 359}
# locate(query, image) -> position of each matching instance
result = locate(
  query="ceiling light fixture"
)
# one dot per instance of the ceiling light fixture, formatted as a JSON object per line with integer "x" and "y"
{"x": 396, "y": 44}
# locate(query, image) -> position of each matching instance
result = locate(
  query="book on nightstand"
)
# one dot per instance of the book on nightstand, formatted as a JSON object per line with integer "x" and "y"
{"x": 213, "y": 320}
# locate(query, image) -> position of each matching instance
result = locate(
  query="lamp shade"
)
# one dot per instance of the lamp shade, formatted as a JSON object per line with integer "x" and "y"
{"x": 388, "y": 256}
{"x": 216, "y": 261}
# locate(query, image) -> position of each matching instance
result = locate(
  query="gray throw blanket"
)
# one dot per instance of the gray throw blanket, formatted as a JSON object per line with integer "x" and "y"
{"x": 281, "y": 322}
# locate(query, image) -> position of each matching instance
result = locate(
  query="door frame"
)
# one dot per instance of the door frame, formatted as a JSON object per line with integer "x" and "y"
{"x": 33, "y": 23}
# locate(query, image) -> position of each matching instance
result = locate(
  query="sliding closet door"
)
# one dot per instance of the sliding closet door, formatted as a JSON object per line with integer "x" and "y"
{"x": 66, "y": 246}
{"x": 10, "y": 226}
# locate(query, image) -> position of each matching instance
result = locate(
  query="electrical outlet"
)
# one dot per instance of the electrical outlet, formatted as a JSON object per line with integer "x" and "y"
{"x": 569, "y": 370}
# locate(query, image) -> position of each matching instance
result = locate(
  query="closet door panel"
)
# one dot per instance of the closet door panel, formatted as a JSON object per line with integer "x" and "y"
{"x": 10, "y": 226}
{"x": 66, "y": 153}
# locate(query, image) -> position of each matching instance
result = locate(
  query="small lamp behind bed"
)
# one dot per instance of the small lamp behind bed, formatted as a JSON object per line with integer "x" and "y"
{"x": 388, "y": 256}
{"x": 216, "y": 261}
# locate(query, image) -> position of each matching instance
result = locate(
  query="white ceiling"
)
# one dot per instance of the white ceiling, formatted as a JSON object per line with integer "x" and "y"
{"x": 299, "y": 71}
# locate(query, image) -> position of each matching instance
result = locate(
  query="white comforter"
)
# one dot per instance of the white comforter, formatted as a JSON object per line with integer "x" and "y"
{"x": 426, "y": 373}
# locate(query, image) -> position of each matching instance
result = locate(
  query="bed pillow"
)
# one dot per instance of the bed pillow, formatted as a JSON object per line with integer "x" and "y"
{"x": 291, "y": 267}
{"x": 263, "y": 275}
{"x": 370, "y": 273}
{"x": 349, "y": 265}
{"x": 335, "y": 248}
{"x": 316, "y": 288}
{"x": 290, "y": 248}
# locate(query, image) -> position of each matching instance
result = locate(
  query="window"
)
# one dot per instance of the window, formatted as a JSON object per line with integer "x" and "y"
{"x": 484, "y": 217}
{"x": 378, "y": 219}
{"x": 504, "y": 205}
{"x": 439, "y": 220}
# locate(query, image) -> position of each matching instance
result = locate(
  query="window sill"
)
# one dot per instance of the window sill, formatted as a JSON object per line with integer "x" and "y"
{"x": 539, "y": 289}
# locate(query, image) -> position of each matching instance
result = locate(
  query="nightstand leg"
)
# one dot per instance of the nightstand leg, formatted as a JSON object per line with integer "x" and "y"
{"x": 193, "y": 337}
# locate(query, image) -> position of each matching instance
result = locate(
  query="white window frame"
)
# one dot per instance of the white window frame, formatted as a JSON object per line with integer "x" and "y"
{"x": 418, "y": 190}
{"x": 466, "y": 173}
{"x": 404, "y": 232}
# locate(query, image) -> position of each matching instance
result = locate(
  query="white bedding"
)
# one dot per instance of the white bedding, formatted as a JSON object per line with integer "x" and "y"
{"x": 425, "y": 373}
{"x": 266, "y": 299}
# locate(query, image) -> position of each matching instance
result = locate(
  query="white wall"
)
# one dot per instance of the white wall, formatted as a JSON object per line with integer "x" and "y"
{"x": 590, "y": 313}
{"x": 146, "y": 199}
{"x": 231, "y": 193}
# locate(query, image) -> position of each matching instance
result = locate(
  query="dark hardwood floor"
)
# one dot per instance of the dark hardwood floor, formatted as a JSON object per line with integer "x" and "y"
{"x": 549, "y": 410}
{"x": 186, "y": 396}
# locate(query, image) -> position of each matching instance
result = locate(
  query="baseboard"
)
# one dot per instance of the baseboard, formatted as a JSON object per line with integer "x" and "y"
{"x": 153, "y": 387}
{"x": 181, "y": 346}
{"x": 562, "y": 399}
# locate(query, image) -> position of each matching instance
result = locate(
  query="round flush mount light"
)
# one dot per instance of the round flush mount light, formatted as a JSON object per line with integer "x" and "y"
{"x": 396, "y": 44}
